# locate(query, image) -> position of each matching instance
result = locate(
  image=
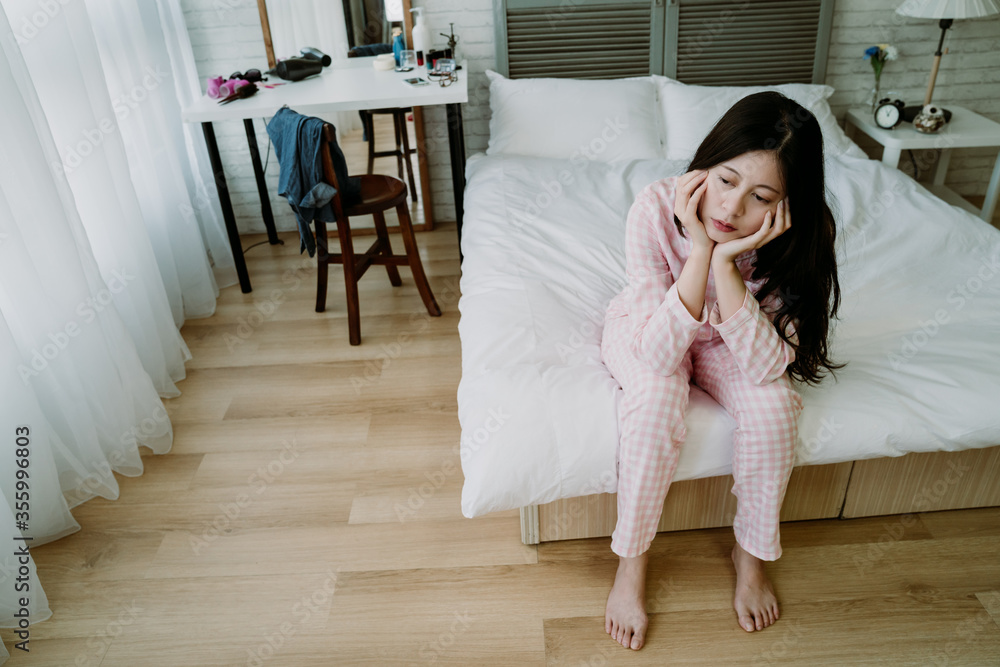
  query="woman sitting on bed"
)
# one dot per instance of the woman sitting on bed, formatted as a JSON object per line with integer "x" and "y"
{"x": 731, "y": 291}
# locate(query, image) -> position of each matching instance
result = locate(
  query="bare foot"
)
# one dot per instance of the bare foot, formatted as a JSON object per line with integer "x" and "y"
{"x": 625, "y": 617}
{"x": 755, "y": 603}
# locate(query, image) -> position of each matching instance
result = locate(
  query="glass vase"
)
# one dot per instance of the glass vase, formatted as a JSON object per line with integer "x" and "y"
{"x": 875, "y": 94}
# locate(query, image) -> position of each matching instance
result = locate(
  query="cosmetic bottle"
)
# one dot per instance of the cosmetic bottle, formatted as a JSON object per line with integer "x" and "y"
{"x": 421, "y": 35}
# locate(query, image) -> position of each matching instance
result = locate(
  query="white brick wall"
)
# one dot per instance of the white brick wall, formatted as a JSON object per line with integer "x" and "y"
{"x": 473, "y": 21}
{"x": 969, "y": 76}
{"x": 226, "y": 37}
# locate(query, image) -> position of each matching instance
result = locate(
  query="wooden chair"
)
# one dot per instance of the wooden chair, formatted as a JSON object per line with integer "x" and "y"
{"x": 402, "y": 152}
{"x": 378, "y": 194}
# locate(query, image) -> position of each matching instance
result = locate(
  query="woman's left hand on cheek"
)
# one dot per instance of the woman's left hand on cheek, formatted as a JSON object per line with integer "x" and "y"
{"x": 772, "y": 228}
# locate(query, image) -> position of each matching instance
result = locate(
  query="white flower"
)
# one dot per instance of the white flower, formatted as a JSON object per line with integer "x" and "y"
{"x": 891, "y": 52}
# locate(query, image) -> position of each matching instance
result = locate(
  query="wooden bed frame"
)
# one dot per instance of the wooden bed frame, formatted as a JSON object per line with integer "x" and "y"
{"x": 918, "y": 482}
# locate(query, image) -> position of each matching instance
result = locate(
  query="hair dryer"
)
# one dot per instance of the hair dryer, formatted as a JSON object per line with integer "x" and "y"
{"x": 316, "y": 54}
{"x": 296, "y": 69}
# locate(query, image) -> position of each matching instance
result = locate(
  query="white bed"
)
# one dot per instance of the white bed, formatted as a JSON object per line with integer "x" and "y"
{"x": 543, "y": 244}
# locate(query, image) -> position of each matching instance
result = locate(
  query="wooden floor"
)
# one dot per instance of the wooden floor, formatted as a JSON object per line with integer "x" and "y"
{"x": 308, "y": 515}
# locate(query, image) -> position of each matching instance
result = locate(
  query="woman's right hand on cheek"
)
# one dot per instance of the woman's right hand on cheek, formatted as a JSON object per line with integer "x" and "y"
{"x": 690, "y": 189}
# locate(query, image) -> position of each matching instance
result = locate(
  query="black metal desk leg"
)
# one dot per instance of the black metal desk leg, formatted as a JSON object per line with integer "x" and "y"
{"x": 456, "y": 141}
{"x": 227, "y": 207}
{"x": 258, "y": 171}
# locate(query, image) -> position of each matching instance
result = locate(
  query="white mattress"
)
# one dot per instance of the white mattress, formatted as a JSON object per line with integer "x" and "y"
{"x": 544, "y": 253}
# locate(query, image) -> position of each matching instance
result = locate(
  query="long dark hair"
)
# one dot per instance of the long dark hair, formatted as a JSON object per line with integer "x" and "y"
{"x": 800, "y": 266}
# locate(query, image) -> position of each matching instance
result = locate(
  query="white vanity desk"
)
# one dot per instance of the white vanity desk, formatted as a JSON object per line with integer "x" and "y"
{"x": 351, "y": 85}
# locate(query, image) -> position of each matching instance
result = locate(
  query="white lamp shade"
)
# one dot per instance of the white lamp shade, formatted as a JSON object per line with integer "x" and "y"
{"x": 948, "y": 9}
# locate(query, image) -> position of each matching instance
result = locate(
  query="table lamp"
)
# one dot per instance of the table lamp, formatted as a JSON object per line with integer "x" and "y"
{"x": 946, "y": 11}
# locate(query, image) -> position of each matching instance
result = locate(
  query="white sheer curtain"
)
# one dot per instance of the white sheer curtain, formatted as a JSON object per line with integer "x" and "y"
{"x": 89, "y": 340}
{"x": 141, "y": 85}
{"x": 317, "y": 23}
{"x": 71, "y": 374}
{"x": 64, "y": 65}
{"x": 124, "y": 151}
{"x": 198, "y": 176}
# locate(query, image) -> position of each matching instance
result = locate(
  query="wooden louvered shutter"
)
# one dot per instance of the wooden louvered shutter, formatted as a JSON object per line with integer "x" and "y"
{"x": 582, "y": 39}
{"x": 708, "y": 42}
{"x": 758, "y": 43}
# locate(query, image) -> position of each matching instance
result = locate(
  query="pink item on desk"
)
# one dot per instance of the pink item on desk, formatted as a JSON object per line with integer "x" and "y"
{"x": 212, "y": 89}
{"x": 217, "y": 88}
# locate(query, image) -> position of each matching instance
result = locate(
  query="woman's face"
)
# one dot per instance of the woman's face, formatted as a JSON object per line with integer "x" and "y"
{"x": 739, "y": 192}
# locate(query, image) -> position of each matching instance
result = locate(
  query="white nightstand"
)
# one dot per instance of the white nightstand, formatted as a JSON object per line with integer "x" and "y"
{"x": 967, "y": 129}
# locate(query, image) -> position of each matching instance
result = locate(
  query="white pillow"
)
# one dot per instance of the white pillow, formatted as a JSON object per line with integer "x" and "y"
{"x": 600, "y": 120}
{"x": 690, "y": 112}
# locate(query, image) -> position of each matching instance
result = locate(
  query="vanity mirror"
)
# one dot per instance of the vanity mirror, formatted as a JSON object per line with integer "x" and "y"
{"x": 334, "y": 27}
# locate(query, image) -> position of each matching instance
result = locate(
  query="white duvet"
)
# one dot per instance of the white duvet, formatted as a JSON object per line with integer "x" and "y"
{"x": 544, "y": 253}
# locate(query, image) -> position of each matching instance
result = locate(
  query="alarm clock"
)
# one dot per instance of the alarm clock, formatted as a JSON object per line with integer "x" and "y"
{"x": 888, "y": 114}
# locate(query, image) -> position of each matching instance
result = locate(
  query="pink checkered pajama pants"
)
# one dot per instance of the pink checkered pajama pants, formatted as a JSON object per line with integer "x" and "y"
{"x": 651, "y": 421}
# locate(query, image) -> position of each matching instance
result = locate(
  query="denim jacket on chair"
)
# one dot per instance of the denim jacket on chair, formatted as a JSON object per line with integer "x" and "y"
{"x": 297, "y": 141}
